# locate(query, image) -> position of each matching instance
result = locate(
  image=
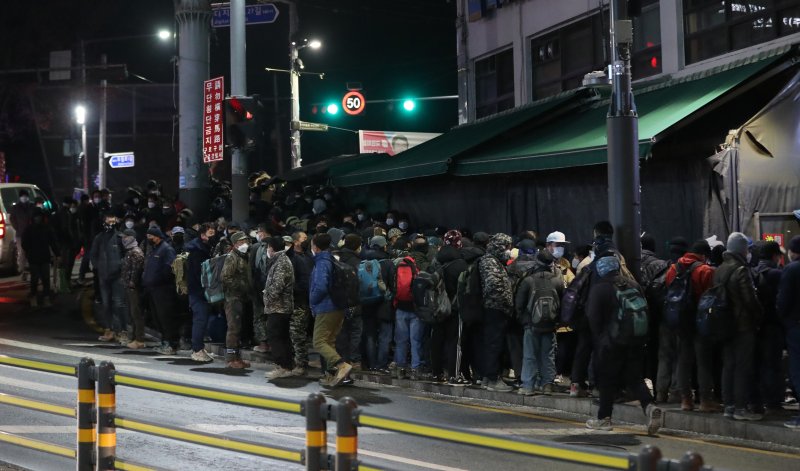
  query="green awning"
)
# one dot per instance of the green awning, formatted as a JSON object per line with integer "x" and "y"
{"x": 580, "y": 138}
{"x": 434, "y": 157}
{"x": 323, "y": 169}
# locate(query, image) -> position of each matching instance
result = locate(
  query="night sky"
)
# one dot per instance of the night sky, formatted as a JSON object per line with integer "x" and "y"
{"x": 396, "y": 49}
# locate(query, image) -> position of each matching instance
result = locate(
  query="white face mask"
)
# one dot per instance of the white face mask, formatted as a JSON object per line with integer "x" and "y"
{"x": 254, "y": 235}
{"x": 403, "y": 225}
{"x": 243, "y": 248}
{"x": 96, "y": 200}
{"x": 136, "y": 201}
{"x": 73, "y": 210}
{"x": 575, "y": 263}
{"x": 360, "y": 216}
{"x": 558, "y": 252}
{"x": 749, "y": 257}
{"x": 151, "y": 204}
{"x": 129, "y": 224}
{"x": 389, "y": 221}
{"x": 23, "y": 199}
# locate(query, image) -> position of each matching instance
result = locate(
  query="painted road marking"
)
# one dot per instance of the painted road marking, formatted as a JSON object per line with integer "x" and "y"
{"x": 70, "y": 353}
{"x": 269, "y": 429}
{"x": 33, "y": 386}
{"x": 34, "y": 429}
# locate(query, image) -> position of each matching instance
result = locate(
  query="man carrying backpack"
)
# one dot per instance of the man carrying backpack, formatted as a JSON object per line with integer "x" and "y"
{"x": 536, "y": 302}
{"x": 409, "y": 329}
{"x": 377, "y": 312}
{"x": 498, "y": 306}
{"x": 279, "y": 305}
{"x": 348, "y": 341}
{"x": 132, "y": 267}
{"x": 199, "y": 251}
{"x": 236, "y": 284}
{"x": 302, "y": 265}
{"x": 746, "y": 314}
{"x": 617, "y": 314}
{"x": 686, "y": 281}
{"x": 159, "y": 283}
{"x": 652, "y": 276}
{"x": 258, "y": 261}
{"x": 328, "y": 318}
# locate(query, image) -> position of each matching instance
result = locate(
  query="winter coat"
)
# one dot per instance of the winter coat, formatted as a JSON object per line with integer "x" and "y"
{"x": 349, "y": 257}
{"x": 497, "y": 289}
{"x": 279, "y": 288}
{"x": 237, "y": 280}
{"x": 106, "y": 255}
{"x": 302, "y": 264}
{"x": 21, "y": 216}
{"x": 702, "y": 275}
{"x": 452, "y": 264}
{"x": 788, "y": 301}
{"x": 254, "y": 253}
{"x": 37, "y": 242}
{"x": 199, "y": 252}
{"x": 132, "y": 268}
{"x": 525, "y": 289}
{"x": 652, "y": 266}
{"x": 69, "y": 229}
{"x": 741, "y": 292}
{"x": 421, "y": 260}
{"x": 601, "y": 305}
{"x": 158, "y": 266}
{"x": 319, "y": 297}
{"x": 563, "y": 267}
{"x": 768, "y": 279}
{"x": 472, "y": 254}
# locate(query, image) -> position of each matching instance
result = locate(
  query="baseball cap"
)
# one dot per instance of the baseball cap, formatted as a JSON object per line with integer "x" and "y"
{"x": 557, "y": 237}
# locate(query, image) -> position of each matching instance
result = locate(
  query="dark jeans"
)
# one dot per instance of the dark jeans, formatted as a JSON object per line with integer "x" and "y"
{"x": 279, "y": 341}
{"x": 769, "y": 374}
{"x": 163, "y": 304}
{"x": 40, "y": 272}
{"x": 135, "y": 310}
{"x": 444, "y": 337}
{"x": 695, "y": 350}
{"x": 793, "y": 347}
{"x": 583, "y": 355}
{"x": 471, "y": 351}
{"x": 737, "y": 369}
{"x": 667, "y": 376}
{"x": 200, "y": 312}
{"x": 68, "y": 254}
{"x": 514, "y": 337}
{"x": 348, "y": 342}
{"x": 617, "y": 368}
{"x": 565, "y": 353}
{"x": 494, "y": 336}
{"x": 377, "y": 338}
{"x": 112, "y": 294}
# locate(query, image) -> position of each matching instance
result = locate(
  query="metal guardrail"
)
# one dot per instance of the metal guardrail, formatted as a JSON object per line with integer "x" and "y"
{"x": 97, "y": 421}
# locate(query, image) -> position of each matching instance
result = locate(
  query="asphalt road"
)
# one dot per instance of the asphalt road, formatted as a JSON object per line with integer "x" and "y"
{"x": 59, "y": 334}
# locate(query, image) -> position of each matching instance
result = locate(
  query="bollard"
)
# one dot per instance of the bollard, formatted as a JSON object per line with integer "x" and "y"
{"x": 106, "y": 410}
{"x": 691, "y": 461}
{"x": 346, "y": 435}
{"x": 87, "y": 435}
{"x": 316, "y": 433}
{"x": 648, "y": 458}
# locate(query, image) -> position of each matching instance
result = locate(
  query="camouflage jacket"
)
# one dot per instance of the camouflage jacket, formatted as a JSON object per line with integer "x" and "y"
{"x": 132, "y": 267}
{"x": 236, "y": 276}
{"x": 279, "y": 289}
{"x": 497, "y": 290}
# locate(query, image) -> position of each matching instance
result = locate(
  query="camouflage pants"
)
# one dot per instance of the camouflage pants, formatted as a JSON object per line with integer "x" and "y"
{"x": 298, "y": 332}
{"x": 259, "y": 321}
{"x": 233, "y": 314}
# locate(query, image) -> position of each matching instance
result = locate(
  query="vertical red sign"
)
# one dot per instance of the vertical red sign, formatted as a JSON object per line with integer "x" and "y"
{"x": 213, "y": 142}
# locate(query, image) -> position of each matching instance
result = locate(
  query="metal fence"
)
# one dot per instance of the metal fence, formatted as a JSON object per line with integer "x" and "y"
{"x": 97, "y": 421}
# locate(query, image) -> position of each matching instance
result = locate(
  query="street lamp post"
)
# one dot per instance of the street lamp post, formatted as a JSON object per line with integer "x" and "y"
{"x": 294, "y": 81}
{"x": 80, "y": 118}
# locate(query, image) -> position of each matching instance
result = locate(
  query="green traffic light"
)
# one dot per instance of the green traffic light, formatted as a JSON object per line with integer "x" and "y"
{"x": 333, "y": 108}
{"x": 409, "y": 105}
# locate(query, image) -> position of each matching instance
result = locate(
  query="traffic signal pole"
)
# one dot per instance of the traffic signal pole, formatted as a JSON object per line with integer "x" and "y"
{"x": 622, "y": 125}
{"x": 239, "y": 187}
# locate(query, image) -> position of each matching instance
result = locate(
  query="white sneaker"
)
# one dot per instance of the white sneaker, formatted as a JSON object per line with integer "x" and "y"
{"x": 298, "y": 371}
{"x": 278, "y": 373}
{"x": 599, "y": 424}
{"x": 201, "y": 356}
{"x": 655, "y": 418}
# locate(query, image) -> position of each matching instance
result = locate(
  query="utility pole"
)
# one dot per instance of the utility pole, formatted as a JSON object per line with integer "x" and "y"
{"x": 239, "y": 186}
{"x": 101, "y": 152}
{"x": 85, "y": 163}
{"x": 622, "y": 125}
{"x": 294, "y": 82}
{"x": 193, "y": 18}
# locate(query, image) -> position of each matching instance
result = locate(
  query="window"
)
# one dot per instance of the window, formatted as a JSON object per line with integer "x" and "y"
{"x": 494, "y": 83}
{"x": 714, "y": 27}
{"x": 646, "y": 58}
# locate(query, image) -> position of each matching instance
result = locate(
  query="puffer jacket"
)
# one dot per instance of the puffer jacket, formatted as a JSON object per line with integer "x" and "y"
{"x": 319, "y": 297}
{"x": 451, "y": 262}
{"x": 279, "y": 289}
{"x": 158, "y": 266}
{"x": 524, "y": 292}
{"x": 497, "y": 289}
{"x": 132, "y": 267}
{"x": 106, "y": 254}
{"x": 237, "y": 280}
{"x": 741, "y": 292}
{"x": 199, "y": 252}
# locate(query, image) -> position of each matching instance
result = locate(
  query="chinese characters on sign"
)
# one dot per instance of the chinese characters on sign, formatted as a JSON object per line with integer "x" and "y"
{"x": 213, "y": 142}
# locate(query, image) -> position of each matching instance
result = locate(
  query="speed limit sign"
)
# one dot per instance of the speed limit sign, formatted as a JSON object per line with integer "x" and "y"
{"x": 353, "y": 103}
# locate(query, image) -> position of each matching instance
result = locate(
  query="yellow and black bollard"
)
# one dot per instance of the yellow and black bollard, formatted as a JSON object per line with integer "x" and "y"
{"x": 346, "y": 435}
{"x": 87, "y": 435}
{"x": 316, "y": 432}
{"x": 106, "y": 411}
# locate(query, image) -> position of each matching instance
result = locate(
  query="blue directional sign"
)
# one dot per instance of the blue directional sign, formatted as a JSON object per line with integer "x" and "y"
{"x": 254, "y": 14}
{"x": 121, "y": 160}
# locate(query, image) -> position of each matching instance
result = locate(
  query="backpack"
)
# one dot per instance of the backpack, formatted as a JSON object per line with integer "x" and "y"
{"x": 431, "y": 303}
{"x": 179, "y": 266}
{"x": 629, "y": 323}
{"x": 260, "y": 272}
{"x": 344, "y": 286}
{"x": 469, "y": 295}
{"x": 714, "y": 315}
{"x": 211, "y": 278}
{"x": 656, "y": 290}
{"x": 543, "y": 301}
{"x": 678, "y": 306}
{"x": 574, "y": 298}
{"x": 371, "y": 287}
{"x": 405, "y": 274}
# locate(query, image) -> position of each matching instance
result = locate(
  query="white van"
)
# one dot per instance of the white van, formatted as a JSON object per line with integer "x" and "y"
{"x": 9, "y": 195}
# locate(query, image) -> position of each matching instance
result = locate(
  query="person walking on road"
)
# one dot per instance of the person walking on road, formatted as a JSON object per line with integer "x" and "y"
{"x": 38, "y": 241}
{"x": 106, "y": 257}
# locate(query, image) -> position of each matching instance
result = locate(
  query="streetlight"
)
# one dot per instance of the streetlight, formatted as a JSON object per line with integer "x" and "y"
{"x": 294, "y": 82}
{"x": 80, "y": 118}
{"x": 164, "y": 34}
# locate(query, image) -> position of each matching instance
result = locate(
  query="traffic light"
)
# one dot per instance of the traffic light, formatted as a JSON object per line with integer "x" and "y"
{"x": 241, "y": 121}
{"x": 409, "y": 105}
{"x": 332, "y": 108}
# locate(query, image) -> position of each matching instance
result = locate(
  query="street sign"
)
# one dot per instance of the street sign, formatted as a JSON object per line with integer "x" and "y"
{"x": 121, "y": 160}
{"x": 213, "y": 142}
{"x": 773, "y": 238}
{"x": 353, "y": 103}
{"x": 254, "y": 14}
{"x": 306, "y": 126}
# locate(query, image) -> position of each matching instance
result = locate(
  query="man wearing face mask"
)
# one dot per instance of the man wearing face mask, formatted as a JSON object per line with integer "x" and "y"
{"x": 498, "y": 306}
{"x": 21, "y": 215}
{"x": 237, "y": 282}
{"x": 302, "y": 264}
{"x": 258, "y": 260}
{"x": 556, "y": 243}
{"x": 159, "y": 282}
{"x": 69, "y": 238}
{"x": 390, "y": 219}
{"x": 132, "y": 267}
{"x": 403, "y": 224}
{"x": 106, "y": 257}
{"x": 178, "y": 238}
{"x": 199, "y": 251}
{"x": 278, "y": 304}
{"x": 39, "y": 239}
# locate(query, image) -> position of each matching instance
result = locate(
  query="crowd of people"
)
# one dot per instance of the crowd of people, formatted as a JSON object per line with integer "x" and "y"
{"x": 706, "y": 328}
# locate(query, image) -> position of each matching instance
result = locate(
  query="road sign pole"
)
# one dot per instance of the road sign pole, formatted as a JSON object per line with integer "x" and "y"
{"x": 239, "y": 187}
{"x": 294, "y": 82}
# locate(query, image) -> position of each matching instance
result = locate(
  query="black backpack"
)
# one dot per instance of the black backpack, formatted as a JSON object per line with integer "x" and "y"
{"x": 543, "y": 301}
{"x": 469, "y": 295}
{"x": 715, "y": 319}
{"x": 431, "y": 303}
{"x": 656, "y": 290}
{"x": 574, "y": 298}
{"x": 344, "y": 285}
{"x": 678, "y": 306}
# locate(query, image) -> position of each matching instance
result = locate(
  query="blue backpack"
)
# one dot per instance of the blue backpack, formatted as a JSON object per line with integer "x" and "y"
{"x": 371, "y": 287}
{"x": 211, "y": 279}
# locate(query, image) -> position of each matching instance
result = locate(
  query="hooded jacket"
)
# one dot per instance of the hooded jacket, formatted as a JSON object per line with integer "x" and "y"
{"x": 497, "y": 289}
{"x": 319, "y": 297}
{"x": 132, "y": 267}
{"x": 279, "y": 288}
{"x": 349, "y": 257}
{"x": 652, "y": 266}
{"x": 702, "y": 275}
{"x": 768, "y": 278}
{"x": 451, "y": 262}
{"x": 302, "y": 265}
{"x": 106, "y": 254}
{"x": 788, "y": 302}
{"x": 741, "y": 292}
{"x": 158, "y": 266}
{"x": 37, "y": 242}
{"x": 199, "y": 252}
